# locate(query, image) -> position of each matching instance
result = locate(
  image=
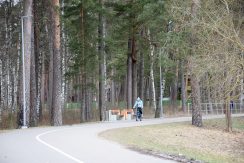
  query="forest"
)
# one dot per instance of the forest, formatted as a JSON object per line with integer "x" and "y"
{"x": 70, "y": 61}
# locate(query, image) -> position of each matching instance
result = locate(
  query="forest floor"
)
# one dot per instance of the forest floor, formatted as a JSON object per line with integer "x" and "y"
{"x": 185, "y": 143}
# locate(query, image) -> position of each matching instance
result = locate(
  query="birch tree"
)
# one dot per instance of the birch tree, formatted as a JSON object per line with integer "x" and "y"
{"x": 152, "y": 58}
{"x": 9, "y": 60}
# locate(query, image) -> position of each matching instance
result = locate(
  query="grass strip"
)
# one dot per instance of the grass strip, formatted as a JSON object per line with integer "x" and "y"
{"x": 209, "y": 144}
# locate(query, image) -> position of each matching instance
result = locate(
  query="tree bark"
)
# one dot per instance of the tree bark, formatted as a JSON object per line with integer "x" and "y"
{"x": 196, "y": 102}
{"x": 1, "y": 107}
{"x": 141, "y": 67}
{"x": 134, "y": 80}
{"x": 174, "y": 89}
{"x": 129, "y": 74}
{"x": 64, "y": 57}
{"x": 141, "y": 77}
{"x": 183, "y": 89}
{"x": 195, "y": 88}
{"x": 114, "y": 94}
{"x": 147, "y": 91}
{"x": 131, "y": 63}
{"x": 101, "y": 56}
{"x": 159, "y": 111}
{"x": 27, "y": 19}
{"x": 227, "y": 108}
{"x": 209, "y": 95}
{"x": 152, "y": 51}
{"x": 242, "y": 92}
{"x": 83, "y": 77}
{"x": 33, "y": 94}
{"x": 34, "y": 107}
{"x": 20, "y": 97}
{"x": 5, "y": 62}
{"x": 57, "y": 92}
{"x": 49, "y": 30}
{"x": 43, "y": 90}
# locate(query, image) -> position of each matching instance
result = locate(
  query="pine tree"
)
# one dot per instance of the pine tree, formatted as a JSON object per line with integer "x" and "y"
{"x": 56, "y": 112}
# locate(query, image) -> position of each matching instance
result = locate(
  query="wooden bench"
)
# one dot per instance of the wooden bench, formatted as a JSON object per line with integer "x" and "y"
{"x": 117, "y": 114}
{"x": 113, "y": 114}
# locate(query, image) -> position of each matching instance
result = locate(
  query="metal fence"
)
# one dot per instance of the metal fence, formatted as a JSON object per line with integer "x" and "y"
{"x": 217, "y": 108}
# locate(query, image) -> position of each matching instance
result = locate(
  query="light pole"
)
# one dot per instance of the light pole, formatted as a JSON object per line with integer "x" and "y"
{"x": 23, "y": 66}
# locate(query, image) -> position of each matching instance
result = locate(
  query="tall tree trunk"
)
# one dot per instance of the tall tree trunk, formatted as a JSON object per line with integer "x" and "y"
{"x": 13, "y": 76}
{"x": 63, "y": 57}
{"x": 196, "y": 101}
{"x": 159, "y": 111}
{"x": 131, "y": 63}
{"x": 134, "y": 73}
{"x": 195, "y": 88}
{"x": 17, "y": 76}
{"x": 124, "y": 87}
{"x": 101, "y": 66}
{"x": 158, "y": 107}
{"x": 141, "y": 71}
{"x": 186, "y": 80}
{"x": 57, "y": 92}
{"x": 34, "y": 71}
{"x": 89, "y": 103}
{"x": 46, "y": 66}
{"x": 19, "y": 86}
{"x": 33, "y": 94}
{"x": 1, "y": 103}
{"x": 242, "y": 86}
{"x": 209, "y": 95}
{"x": 152, "y": 79}
{"x": 141, "y": 77}
{"x": 49, "y": 30}
{"x": 83, "y": 66}
{"x": 174, "y": 89}
{"x": 20, "y": 97}
{"x": 27, "y": 19}
{"x": 242, "y": 93}
{"x": 33, "y": 85}
{"x": 113, "y": 89}
{"x": 10, "y": 62}
{"x": 152, "y": 51}
{"x": 183, "y": 89}
{"x": 1, "y": 106}
{"x": 1, "y": 92}
{"x": 147, "y": 92}
{"x": 5, "y": 58}
{"x": 43, "y": 90}
{"x": 134, "y": 66}
{"x": 83, "y": 106}
{"x": 227, "y": 108}
{"x": 129, "y": 74}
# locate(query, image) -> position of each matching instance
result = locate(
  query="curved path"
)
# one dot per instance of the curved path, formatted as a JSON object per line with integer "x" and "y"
{"x": 73, "y": 144}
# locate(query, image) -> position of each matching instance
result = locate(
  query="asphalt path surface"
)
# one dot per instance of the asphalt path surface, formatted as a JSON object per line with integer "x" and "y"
{"x": 73, "y": 144}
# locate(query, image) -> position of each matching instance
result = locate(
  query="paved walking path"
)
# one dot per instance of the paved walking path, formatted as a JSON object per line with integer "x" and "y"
{"x": 77, "y": 143}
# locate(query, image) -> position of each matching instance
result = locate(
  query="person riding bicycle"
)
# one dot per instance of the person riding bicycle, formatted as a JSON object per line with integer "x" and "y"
{"x": 138, "y": 106}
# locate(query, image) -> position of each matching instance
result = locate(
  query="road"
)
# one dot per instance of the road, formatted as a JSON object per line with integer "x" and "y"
{"x": 73, "y": 144}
